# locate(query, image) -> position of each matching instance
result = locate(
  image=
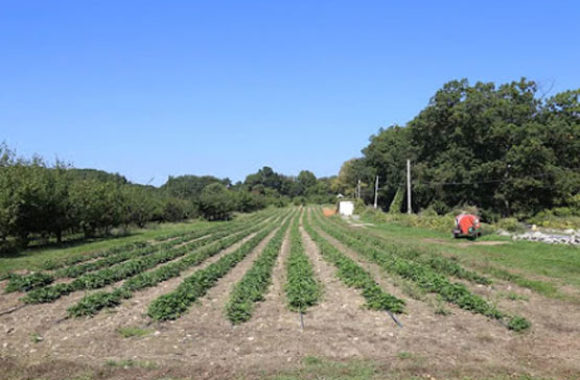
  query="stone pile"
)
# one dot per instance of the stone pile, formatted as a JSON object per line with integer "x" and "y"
{"x": 550, "y": 238}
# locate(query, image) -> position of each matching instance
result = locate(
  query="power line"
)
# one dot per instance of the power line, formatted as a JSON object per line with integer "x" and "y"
{"x": 503, "y": 180}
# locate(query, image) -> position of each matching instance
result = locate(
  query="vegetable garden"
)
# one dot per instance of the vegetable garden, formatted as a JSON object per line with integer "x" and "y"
{"x": 290, "y": 267}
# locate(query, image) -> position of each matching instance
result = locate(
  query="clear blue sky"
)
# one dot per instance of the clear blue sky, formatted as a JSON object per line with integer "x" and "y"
{"x": 157, "y": 88}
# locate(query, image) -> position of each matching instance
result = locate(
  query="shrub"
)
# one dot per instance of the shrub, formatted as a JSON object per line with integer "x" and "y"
{"x": 510, "y": 224}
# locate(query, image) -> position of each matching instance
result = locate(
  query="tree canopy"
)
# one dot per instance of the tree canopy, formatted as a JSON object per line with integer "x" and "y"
{"x": 501, "y": 148}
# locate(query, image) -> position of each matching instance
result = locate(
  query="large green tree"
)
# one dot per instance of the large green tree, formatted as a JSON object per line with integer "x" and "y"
{"x": 502, "y": 148}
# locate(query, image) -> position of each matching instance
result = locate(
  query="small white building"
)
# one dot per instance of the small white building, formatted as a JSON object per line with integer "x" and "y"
{"x": 346, "y": 208}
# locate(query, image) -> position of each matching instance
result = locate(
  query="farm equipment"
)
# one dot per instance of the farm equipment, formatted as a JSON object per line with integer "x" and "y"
{"x": 467, "y": 225}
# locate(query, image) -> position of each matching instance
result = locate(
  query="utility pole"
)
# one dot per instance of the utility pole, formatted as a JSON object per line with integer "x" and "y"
{"x": 409, "y": 210}
{"x": 376, "y": 190}
{"x": 358, "y": 189}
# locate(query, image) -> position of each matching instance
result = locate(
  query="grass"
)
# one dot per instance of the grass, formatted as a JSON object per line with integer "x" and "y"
{"x": 33, "y": 258}
{"x": 512, "y": 296}
{"x": 317, "y": 368}
{"x": 130, "y": 331}
{"x": 539, "y": 267}
{"x": 130, "y": 363}
{"x": 36, "y": 338}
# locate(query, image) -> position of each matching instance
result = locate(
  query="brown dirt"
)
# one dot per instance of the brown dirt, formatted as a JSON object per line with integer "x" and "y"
{"x": 204, "y": 344}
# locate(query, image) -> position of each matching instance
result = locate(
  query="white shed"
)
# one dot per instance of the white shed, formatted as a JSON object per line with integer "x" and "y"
{"x": 346, "y": 208}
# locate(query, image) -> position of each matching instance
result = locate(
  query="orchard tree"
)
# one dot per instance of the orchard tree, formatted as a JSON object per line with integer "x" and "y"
{"x": 216, "y": 202}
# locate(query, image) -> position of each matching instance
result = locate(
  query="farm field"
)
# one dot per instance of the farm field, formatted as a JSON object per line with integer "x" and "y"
{"x": 289, "y": 294}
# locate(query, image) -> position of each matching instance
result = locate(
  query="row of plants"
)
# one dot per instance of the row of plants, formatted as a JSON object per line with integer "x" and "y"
{"x": 91, "y": 304}
{"x": 353, "y": 275}
{"x": 174, "y": 304}
{"x": 424, "y": 276}
{"x": 246, "y": 219}
{"x": 437, "y": 262}
{"x": 28, "y": 282}
{"x": 302, "y": 289}
{"x": 252, "y": 287}
{"x": 104, "y": 277}
{"x": 111, "y": 257}
{"x": 56, "y": 264}
{"x": 204, "y": 233}
{"x": 24, "y": 283}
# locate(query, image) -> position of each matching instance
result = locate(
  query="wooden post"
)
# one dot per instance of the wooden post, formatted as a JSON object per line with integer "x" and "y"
{"x": 409, "y": 209}
{"x": 376, "y": 190}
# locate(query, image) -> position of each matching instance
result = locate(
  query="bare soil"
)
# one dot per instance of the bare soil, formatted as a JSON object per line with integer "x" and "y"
{"x": 37, "y": 342}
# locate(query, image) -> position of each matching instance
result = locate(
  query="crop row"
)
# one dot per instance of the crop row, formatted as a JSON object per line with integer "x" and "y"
{"x": 437, "y": 262}
{"x": 93, "y": 303}
{"x": 212, "y": 232}
{"x": 27, "y": 282}
{"x": 109, "y": 258}
{"x": 302, "y": 288}
{"x": 24, "y": 283}
{"x": 56, "y": 264}
{"x": 215, "y": 226}
{"x": 424, "y": 276}
{"x": 252, "y": 287}
{"x": 176, "y": 303}
{"x": 103, "y": 277}
{"x": 355, "y": 276}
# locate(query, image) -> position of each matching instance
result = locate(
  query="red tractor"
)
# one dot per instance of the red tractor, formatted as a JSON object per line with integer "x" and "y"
{"x": 467, "y": 225}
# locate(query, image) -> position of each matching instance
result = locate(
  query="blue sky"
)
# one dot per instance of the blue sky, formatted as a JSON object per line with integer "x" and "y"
{"x": 156, "y": 88}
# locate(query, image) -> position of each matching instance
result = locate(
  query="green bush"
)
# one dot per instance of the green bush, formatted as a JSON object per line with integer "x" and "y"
{"x": 510, "y": 224}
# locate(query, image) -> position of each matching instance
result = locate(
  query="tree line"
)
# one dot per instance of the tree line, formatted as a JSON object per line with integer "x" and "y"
{"x": 504, "y": 149}
{"x": 39, "y": 200}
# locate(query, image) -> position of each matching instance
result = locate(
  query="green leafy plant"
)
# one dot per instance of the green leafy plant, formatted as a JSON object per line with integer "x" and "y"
{"x": 302, "y": 289}
{"x": 251, "y": 288}
{"x": 176, "y": 303}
